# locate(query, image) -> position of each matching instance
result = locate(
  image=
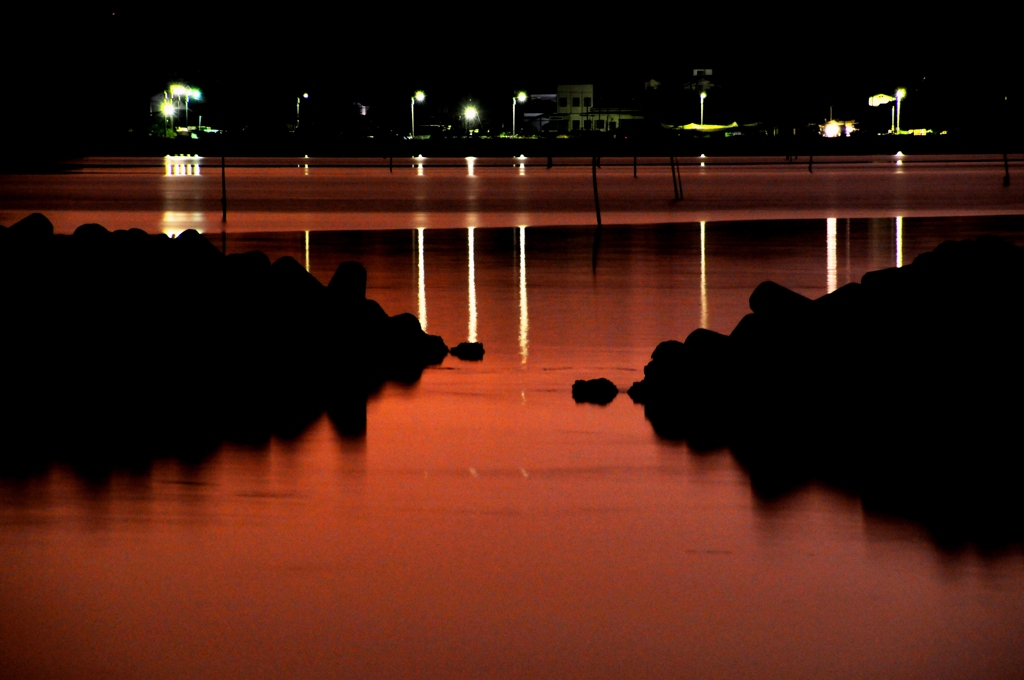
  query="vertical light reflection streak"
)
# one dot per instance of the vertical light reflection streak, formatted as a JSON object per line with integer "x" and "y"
{"x": 470, "y": 160}
{"x": 472, "y": 289}
{"x": 422, "y": 280}
{"x": 899, "y": 241}
{"x": 524, "y": 314}
{"x": 703, "y": 282}
{"x": 830, "y": 249}
{"x": 307, "y": 250}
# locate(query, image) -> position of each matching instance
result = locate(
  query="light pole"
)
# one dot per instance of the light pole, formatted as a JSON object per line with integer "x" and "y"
{"x": 298, "y": 102}
{"x": 900, "y": 94}
{"x": 167, "y": 108}
{"x": 520, "y": 98}
{"x": 418, "y": 97}
{"x": 188, "y": 93}
{"x": 703, "y": 96}
{"x": 470, "y": 114}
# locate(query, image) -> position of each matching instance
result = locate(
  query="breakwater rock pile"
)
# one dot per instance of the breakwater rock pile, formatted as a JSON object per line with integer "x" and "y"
{"x": 905, "y": 388}
{"x": 133, "y": 341}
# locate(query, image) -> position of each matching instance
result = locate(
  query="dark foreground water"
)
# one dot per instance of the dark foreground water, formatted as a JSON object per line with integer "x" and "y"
{"x": 488, "y": 527}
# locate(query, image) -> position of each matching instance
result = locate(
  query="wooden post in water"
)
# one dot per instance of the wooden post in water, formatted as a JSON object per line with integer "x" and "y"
{"x": 223, "y": 191}
{"x": 597, "y": 209}
{"x": 391, "y": 164}
{"x": 550, "y": 162}
{"x": 1006, "y": 165}
{"x": 677, "y": 178}
{"x": 634, "y": 167}
{"x": 810, "y": 163}
{"x": 672, "y": 169}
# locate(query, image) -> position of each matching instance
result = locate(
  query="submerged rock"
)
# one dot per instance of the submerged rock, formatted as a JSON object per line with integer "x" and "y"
{"x": 598, "y": 391}
{"x": 468, "y": 351}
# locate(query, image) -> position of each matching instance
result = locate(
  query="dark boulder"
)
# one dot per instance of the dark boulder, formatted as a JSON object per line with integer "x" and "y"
{"x": 901, "y": 388}
{"x": 468, "y": 351}
{"x": 598, "y": 391}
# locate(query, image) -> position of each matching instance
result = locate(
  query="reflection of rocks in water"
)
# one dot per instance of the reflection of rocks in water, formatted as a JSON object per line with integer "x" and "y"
{"x": 904, "y": 388}
{"x": 127, "y": 345}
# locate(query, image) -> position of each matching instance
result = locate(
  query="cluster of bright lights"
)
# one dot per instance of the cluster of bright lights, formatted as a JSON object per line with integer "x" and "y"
{"x": 185, "y": 91}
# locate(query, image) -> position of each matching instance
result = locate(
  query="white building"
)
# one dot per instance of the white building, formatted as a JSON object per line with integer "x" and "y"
{"x": 576, "y": 111}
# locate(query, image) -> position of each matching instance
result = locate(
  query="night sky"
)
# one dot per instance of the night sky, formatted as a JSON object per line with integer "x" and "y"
{"x": 92, "y": 71}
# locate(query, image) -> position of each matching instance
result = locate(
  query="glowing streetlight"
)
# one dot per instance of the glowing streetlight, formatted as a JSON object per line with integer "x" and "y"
{"x": 167, "y": 108}
{"x": 521, "y": 99}
{"x": 188, "y": 93}
{"x": 470, "y": 114}
{"x": 900, "y": 94}
{"x": 298, "y": 102}
{"x": 703, "y": 96}
{"x": 418, "y": 97}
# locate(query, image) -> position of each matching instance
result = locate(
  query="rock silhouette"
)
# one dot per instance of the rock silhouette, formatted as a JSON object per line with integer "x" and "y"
{"x": 124, "y": 344}
{"x": 468, "y": 351}
{"x": 904, "y": 388}
{"x": 598, "y": 391}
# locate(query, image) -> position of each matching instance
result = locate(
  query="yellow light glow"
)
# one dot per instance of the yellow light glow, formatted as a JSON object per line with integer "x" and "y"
{"x": 167, "y": 108}
{"x": 901, "y": 93}
{"x": 521, "y": 97}
{"x": 420, "y": 96}
{"x": 178, "y": 90}
{"x": 832, "y": 129}
{"x": 471, "y": 112}
{"x": 830, "y": 254}
{"x": 524, "y": 314}
{"x": 471, "y": 335}
{"x": 899, "y": 241}
{"x": 703, "y": 95}
{"x": 422, "y": 292}
{"x": 703, "y": 279}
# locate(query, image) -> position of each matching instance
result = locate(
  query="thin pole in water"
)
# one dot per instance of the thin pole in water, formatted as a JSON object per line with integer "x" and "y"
{"x": 1006, "y": 165}
{"x": 223, "y": 191}
{"x": 597, "y": 209}
{"x": 634, "y": 167}
{"x": 810, "y": 163}
{"x": 672, "y": 169}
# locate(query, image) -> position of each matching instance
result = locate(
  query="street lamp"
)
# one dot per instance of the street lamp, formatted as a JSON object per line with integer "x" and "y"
{"x": 188, "y": 93}
{"x": 418, "y": 97}
{"x": 521, "y": 99}
{"x": 298, "y": 101}
{"x": 167, "y": 108}
{"x": 900, "y": 94}
{"x": 703, "y": 96}
{"x": 470, "y": 114}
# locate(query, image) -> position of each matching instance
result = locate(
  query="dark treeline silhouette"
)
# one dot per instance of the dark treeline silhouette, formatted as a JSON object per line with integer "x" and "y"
{"x": 122, "y": 345}
{"x": 904, "y": 388}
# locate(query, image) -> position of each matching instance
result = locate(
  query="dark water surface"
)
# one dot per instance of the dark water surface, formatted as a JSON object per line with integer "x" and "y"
{"x": 488, "y": 527}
